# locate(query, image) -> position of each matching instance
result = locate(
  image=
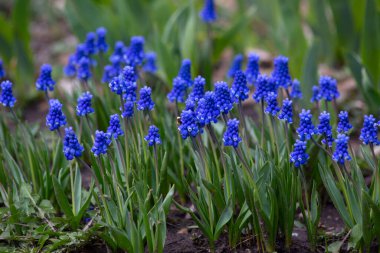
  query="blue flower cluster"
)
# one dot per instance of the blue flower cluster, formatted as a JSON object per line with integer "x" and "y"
{"x": 178, "y": 93}
{"x": 84, "y": 69}
{"x": 272, "y": 106}
{"x": 185, "y": 72}
{"x": 328, "y": 88}
{"x": 208, "y": 13}
{"x": 299, "y": 156}
{"x": 145, "y": 103}
{"x": 2, "y": 70}
{"x": 55, "y": 117}
{"x": 343, "y": 125}
{"x": 235, "y": 65}
{"x": 101, "y": 143}
{"x": 114, "y": 129}
{"x": 286, "y": 113}
{"x": 280, "y": 72}
{"x": 190, "y": 104}
{"x": 296, "y": 89}
{"x": 223, "y": 97}
{"x": 207, "y": 111}
{"x": 368, "y": 134}
{"x": 341, "y": 153}
{"x": 198, "y": 89}
{"x": 189, "y": 124}
{"x": 264, "y": 85}
{"x": 315, "y": 97}
{"x": 239, "y": 89}
{"x": 84, "y": 104}
{"x": 45, "y": 81}
{"x": 71, "y": 146}
{"x": 6, "y": 97}
{"x": 231, "y": 136}
{"x": 101, "y": 43}
{"x": 135, "y": 53}
{"x": 306, "y": 128}
{"x": 150, "y": 62}
{"x": 325, "y": 129}
{"x": 128, "y": 110}
{"x": 252, "y": 71}
{"x": 153, "y": 138}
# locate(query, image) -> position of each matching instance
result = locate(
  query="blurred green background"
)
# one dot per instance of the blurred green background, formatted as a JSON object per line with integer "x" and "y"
{"x": 341, "y": 35}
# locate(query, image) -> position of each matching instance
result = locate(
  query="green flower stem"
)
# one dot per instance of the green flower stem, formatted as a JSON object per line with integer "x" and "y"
{"x": 262, "y": 124}
{"x": 156, "y": 167}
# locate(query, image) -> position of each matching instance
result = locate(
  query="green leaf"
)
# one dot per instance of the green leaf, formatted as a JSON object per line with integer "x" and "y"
{"x": 77, "y": 191}
{"x": 223, "y": 220}
{"x": 335, "y": 246}
{"x": 62, "y": 199}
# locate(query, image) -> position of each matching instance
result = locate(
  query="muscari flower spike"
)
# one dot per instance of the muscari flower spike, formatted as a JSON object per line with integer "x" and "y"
{"x": 84, "y": 71}
{"x": 252, "y": 71}
{"x": 55, "y": 117}
{"x": 128, "y": 110}
{"x": 2, "y": 70}
{"x": 116, "y": 64}
{"x": 343, "y": 125}
{"x": 272, "y": 106}
{"x": 325, "y": 129}
{"x": 6, "y": 97}
{"x": 368, "y": 134}
{"x": 239, "y": 88}
{"x": 328, "y": 88}
{"x": 264, "y": 85}
{"x": 198, "y": 89}
{"x": 153, "y": 137}
{"x": 116, "y": 85}
{"x": 189, "y": 126}
{"x": 190, "y": 104}
{"x": 185, "y": 72}
{"x": 90, "y": 43}
{"x": 70, "y": 68}
{"x": 341, "y": 153}
{"x": 296, "y": 89}
{"x": 119, "y": 49}
{"x": 223, "y": 97}
{"x": 235, "y": 66}
{"x": 306, "y": 128}
{"x": 81, "y": 52}
{"x": 101, "y": 143}
{"x": 150, "y": 62}
{"x": 315, "y": 97}
{"x": 145, "y": 102}
{"x": 135, "y": 52}
{"x": 286, "y": 113}
{"x": 299, "y": 156}
{"x": 84, "y": 104}
{"x": 71, "y": 145}
{"x": 45, "y": 82}
{"x": 207, "y": 111}
{"x": 114, "y": 129}
{"x": 231, "y": 136}
{"x": 178, "y": 92}
{"x": 208, "y": 13}
{"x": 129, "y": 78}
{"x": 101, "y": 42}
{"x": 108, "y": 74}
{"x": 280, "y": 72}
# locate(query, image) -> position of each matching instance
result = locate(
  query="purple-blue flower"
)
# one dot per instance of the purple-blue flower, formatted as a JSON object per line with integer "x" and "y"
{"x": 84, "y": 104}
{"x": 252, "y": 71}
{"x": 286, "y": 113}
{"x": 296, "y": 89}
{"x": 185, "y": 72}
{"x": 119, "y": 49}
{"x": 128, "y": 109}
{"x": 239, "y": 88}
{"x": 368, "y": 134}
{"x": 108, "y": 74}
{"x": 235, "y": 65}
{"x": 198, "y": 89}
{"x": 231, "y": 136}
{"x": 306, "y": 128}
{"x": 101, "y": 143}
{"x": 328, "y": 88}
{"x": 325, "y": 129}
{"x": 189, "y": 124}
{"x": 2, "y": 70}
{"x": 272, "y": 105}
{"x": 45, "y": 82}
{"x": 150, "y": 62}
{"x": 223, "y": 97}
{"x": 145, "y": 102}
{"x": 190, "y": 104}
{"x": 70, "y": 68}
{"x": 315, "y": 97}
{"x": 178, "y": 92}
{"x": 101, "y": 42}
{"x": 207, "y": 111}
{"x": 153, "y": 136}
{"x": 84, "y": 69}
{"x": 135, "y": 52}
{"x": 280, "y": 72}
{"x": 6, "y": 97}
{"x": 55, "y": 117}
{"x": 80, "y": 53}
{"x": 90, "y": 43}
{"x": 343, "y": 125}
{"x": 208, "y": 13}
{"x": 114, "y": 129}
{"x": 129, "y": 78}
{"x": 341, "y": 153}
{"x": 116, "y": 85}
{"x": 71, "y": 145}
{"x": 299, "y": 156}
{"x": 264, "y": 85}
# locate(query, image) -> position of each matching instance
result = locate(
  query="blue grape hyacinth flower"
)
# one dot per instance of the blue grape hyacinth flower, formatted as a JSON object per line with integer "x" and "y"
{"x": 90, "y": 43}
{"x": 252, "y": 71}
{"x": 315, "y": 97}
{"x": 135, "y": 52}
{"x": 55, "y": 117}
{"x": 45, "y": 82}
{"x": 80, "y": 52}
{"x": 2, "y": 70}
{"x": 178, "y": 92}
{"x": 189, "y": 126}
{"x": 272, "y": 106}
{"x": 70, "y": 68}
{"x": 128, "y": 110}
{"x": 239, "y": 88}
{"x": 101, "y": 143}
{"x": 153, "y": 137}
{"x": 325, "y": 129}
{"x": 299, "y": 156}
{"x": 185, "y": 72}
{"x": 190, "y": 104}
{"x": 264, "y": 85}
{"x": 108, "y": 74}
{"x": 116, "y": 85}
{"x": 101, "y": 42}
{"x": 223, "y": 97}
{"x": 235, "y": 65}
{"x": 207, "y": 111}
{"x": 84, "y": 104}
{"x": 280, "y": 72}
{"x": 150, "y": 62}
{"x": 145, "y": 102}
{"x": 368, "y": 134}
{"x": 198, "y": 89}
{"x": 231, "y": 136}
{"x": 328, "y": 88}
{"x": 129, "y": 78}
{"x": 114, "y": 128}
{"x": 343, "y": 125}
{"x": 306, "y": 128}
{"x": 119, "y": 49}
{"x": 84, "y": 69}
{"x": 341, "y": 151}
{"x": 286, "y": 113}
{"x": 71, "y": 146}
{"x": 208, "y": 13}
{"x": 296, "y": 89}
{"x": 6, "y": 97}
